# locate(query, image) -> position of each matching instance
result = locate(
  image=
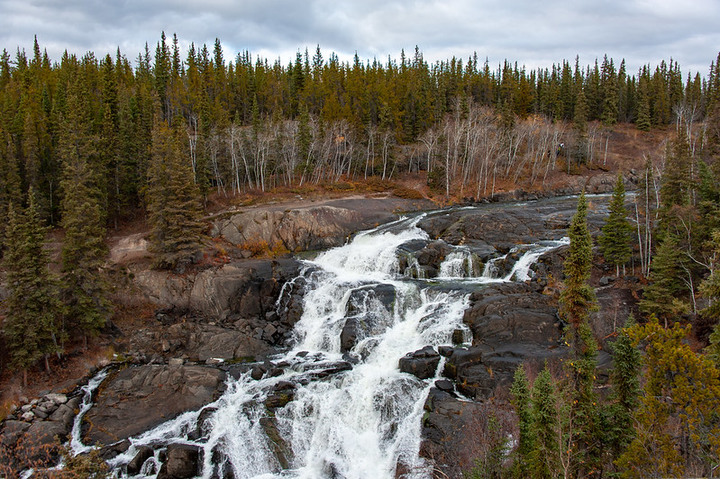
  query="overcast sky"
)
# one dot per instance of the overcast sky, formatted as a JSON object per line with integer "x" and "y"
{"x": 535, "y": 33}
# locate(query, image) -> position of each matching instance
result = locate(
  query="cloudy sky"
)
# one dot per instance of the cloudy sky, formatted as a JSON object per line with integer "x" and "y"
{"x": 535, "y": 33}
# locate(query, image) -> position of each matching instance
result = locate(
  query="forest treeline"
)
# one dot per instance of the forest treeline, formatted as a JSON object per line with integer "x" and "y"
{"x": 87, "y": 142}
{"x": 249, "y": 124}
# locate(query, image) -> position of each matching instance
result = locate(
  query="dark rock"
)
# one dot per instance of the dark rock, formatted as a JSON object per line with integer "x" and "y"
{"x": 444, "y": 385}
{"x": 422, "y": 363}
{"x": 359, "y": 299}
{"x": 445, "y": 351}
{"x": 183, "y": 461}
{"x": 448, "y": 435}
{"x": 280, "y": 448}
{"x": 282, "y": 393}
{"x": 113, "y": 450}
{"x": 259, "y": 370}
{"x": 46, "y": 432}
{"x": 143, "y": 454}
{"x": 349, "y": 335}
{"x": 458, "y": 337}
{"x": 12, "y": 431}
{"x": 139, "y": 398}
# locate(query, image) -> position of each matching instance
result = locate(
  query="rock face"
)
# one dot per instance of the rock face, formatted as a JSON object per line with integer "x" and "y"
{"x": 31, "y": 433}
{"x": 248, "y": 288}
{"x": 422, "y": 363}
{"x": 311, "y": 227}
{"x": 136, "y": 399}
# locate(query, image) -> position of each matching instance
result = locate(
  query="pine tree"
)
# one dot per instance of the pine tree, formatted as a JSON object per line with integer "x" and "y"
{"x": 522, "y": 402}
{"x": 85, "y": 289}
{"x": 624, "y": 378}
{"x": 33, "y": 324}
{"x": 577, "y": 299}
{"x": 676, "y": 429}
{"x": 662, "y": 297}
{"x": 173, "y": 203}
{"x": 544, "y": 458}
{"x": 617, "y": 231}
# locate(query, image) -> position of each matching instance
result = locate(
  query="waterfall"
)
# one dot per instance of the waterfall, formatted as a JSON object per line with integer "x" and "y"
{"x": 337, "y": 405}
{"x": 76, "y": 445}
{"x": 463, "y": 264}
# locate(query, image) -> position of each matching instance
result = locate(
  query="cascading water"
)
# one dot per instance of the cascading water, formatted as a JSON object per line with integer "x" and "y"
{"x": 460, "y": 264}
{"x": 76, "y": 445}
{"x": 338, "y": 406}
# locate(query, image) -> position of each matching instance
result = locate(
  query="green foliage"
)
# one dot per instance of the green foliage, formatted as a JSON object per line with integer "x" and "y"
{"x": 710, "y": 287}
{"x": 32, "y": 326}
{"x": 85, "y": 290}
{"x": 544, "y": 457}
{"x": 616, "y": 237}
{"x": 677, "y": 432}
{"x": 173, "y": 203}
{"x": 624, "y": 379}
{"x": 522, "y": 402}
{"x": 662, "y": 297}
{"x": 578, "y": 298}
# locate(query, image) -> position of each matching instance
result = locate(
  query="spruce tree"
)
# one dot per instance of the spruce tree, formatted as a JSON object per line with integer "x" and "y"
{"x": 33, "y": 322}
{"x": 624, "y": 379}
{"x": 617, "y": 231}
{"x": 580, "y": 126}
{"x": 662, "y": 296}
{"x": 577, "y": 299}
{"x": 522, "y": 402}
{"x": 173, "y": 202}
{"x": 544, "y": 458}
{"x": 85, "y": 290}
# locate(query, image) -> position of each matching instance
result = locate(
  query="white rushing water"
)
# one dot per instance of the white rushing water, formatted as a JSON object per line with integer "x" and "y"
{"x": 363, "y": 419}
{"x": 76, "y": 445}
{"x": 463, "y": 264}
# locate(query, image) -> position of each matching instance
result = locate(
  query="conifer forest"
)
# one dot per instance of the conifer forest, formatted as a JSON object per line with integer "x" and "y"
{"x": 89, "y": 144}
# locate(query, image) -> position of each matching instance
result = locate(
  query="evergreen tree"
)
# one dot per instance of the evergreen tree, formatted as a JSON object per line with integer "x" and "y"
{"x": 710, "y": 287}
{"x": 577, "y": 299}
{"x": 662, "y": 297}
{"x": 676, "y": 429}
{"x": 85, "y": 289}
{"x": 617, "y": 231}
{"x": 544, "y": 458}
{"x": 580, "y": 118}
{"x": 33, "y": 323}
{"x": 624, "y": 379}
{"x": 522, "y": 402}
{"x": 173, "y": 202}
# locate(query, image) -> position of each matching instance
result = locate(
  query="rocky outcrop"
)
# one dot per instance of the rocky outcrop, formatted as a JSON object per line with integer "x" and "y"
{"x": 311, "y": 227}
{"x": 248, "y": 288}
{"x": 422, "y": 363}
{"x": 32, "y": 433}
{"x": 138, "y": 398}
{"x": 498, "y": 228}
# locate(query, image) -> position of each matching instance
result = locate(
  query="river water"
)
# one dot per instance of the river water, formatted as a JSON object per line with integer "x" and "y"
{"x": 353, "y": 414}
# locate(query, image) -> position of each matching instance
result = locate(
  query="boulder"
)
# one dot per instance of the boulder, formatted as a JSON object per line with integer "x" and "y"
{"x": 143, "y": 454}
{"x": 422, "y": 363}
{"x": 448, "y": 436}
{"x": 311, "y": 227}
{"x": 47, "y": 432}
{"x": 136, "y": 399}
{"x": 183, "y": 461}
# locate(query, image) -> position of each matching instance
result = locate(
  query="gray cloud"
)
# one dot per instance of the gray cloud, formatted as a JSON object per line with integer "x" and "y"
{"x": 532, "y": 33}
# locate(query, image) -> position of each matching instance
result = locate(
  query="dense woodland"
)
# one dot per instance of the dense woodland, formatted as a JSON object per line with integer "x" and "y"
{"x": 86, "y": 143}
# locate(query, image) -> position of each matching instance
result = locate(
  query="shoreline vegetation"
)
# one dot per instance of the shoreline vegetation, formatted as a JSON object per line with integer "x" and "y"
{"x": 95, "y": 149}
